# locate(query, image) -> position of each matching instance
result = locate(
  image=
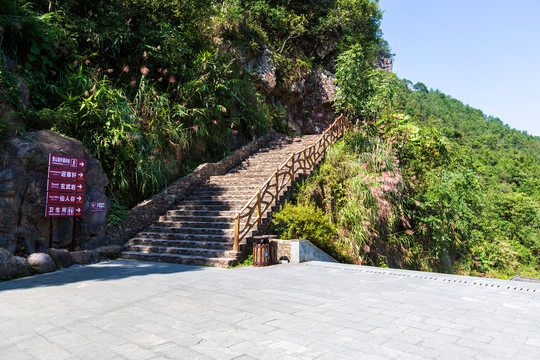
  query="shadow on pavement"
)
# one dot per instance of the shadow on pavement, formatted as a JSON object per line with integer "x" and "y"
{"x": 103, "y": 271}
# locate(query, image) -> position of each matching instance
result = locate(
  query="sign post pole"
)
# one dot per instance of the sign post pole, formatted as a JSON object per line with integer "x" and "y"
{"x": 73, "y": 234}
{"x": 50, "y": 233}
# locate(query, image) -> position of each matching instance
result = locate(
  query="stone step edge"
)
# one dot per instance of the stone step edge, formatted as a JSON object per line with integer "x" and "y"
{"x": 183, "y": 243}
{"x": 230, "y": 252}
{"x": 186, "y": 257}
{"x": 176, "y": 234}
{"x": 190, "y": 229}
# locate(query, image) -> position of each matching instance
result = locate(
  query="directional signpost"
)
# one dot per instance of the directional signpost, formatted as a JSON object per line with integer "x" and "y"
{"x": 65, "y": 186}
{"x": 66, "y": 174}
{"x": 66, "y": 161}
{"x": 64, "y": 199}
{"x": 63, "y": 211}
{"x": 65, "y": 190}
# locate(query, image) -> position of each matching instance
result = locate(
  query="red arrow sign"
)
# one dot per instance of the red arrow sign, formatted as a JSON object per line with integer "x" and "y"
{"x": 63, "y": 211}
{"x": 67, "y": 161}
{"x": 65, "y": 186}
{"x": 64, "y": 199}
{"x": 66, "y": 174}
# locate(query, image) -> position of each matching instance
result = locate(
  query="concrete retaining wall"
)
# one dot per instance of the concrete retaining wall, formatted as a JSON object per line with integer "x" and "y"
{"x": 297, "y": 251}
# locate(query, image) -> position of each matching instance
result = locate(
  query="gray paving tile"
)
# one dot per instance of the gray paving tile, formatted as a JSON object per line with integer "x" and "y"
{"x": 309, "y": 311}
{"x": 132, "y": 351}
{"x": 93, "y": 352}
{"x": 175, "y": 351}
{"x": 215, "y": 350}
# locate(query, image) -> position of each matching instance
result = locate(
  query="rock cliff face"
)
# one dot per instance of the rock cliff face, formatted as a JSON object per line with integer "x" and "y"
{"x": 308, "y": 101}
{"x": 23, "y": 181}
{"x": 310, "y": 104}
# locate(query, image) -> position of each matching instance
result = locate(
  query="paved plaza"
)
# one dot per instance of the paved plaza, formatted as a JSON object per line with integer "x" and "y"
{"x": 137, "y": 310}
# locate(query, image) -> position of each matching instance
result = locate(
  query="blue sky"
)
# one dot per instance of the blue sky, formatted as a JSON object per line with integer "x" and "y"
{"x": 484, "y": 53}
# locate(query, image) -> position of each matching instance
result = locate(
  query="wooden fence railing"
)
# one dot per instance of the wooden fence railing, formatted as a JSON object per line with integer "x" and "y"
{"x": 304, "y": 160}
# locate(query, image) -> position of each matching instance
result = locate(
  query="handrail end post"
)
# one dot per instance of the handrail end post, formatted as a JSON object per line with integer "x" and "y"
{"x": 259, "y": 215}
{"x": 236, "y": 234}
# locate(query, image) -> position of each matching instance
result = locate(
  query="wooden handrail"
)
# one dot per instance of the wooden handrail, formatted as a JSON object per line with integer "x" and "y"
{"x": 304, "y": 160}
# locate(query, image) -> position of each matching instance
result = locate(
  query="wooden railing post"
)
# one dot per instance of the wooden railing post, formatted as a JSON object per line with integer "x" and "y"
{"x": 259, "y": 220}
{"x": 236, "y": 232}
{"x": 292, "y": 169}
{"x": 277, "y": 184}
{"x": 304, "y": 155}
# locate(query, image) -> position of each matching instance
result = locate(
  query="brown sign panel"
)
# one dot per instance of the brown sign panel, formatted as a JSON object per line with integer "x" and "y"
{"x": 65, "y": 186}
{"x": 67, "y": 161}
{"x": 64, "y": 199}
{"x": 66, "y": 174}
{"x": 63, "y": 211}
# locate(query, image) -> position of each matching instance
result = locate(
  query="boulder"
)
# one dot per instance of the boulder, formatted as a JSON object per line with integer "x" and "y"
{"x": 109, "y": 250}
{"x": 41, "y": 262}
{"x": 23, "y": 187}
{"x": 94, "y": 256}
{"x": 12, "y": 266}
{"x": 61, "y": 257}
{"x": 81, "y": 257}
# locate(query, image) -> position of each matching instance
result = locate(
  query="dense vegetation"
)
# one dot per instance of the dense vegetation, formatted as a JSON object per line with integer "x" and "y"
{"x": 425, "y": 183}
{"x": 154, "y": 87}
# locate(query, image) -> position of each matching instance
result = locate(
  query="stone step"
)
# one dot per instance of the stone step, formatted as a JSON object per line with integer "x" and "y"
{"x": 195, "y": 252}
{"x": 200, "y": 218}
{"x": 179, "y": 259}
{"x": 240, "y": 178}
{"x": 205, "y": 202}
{"x": 194, "y": 224}
{"x": 255, "y": 182}
{"x": 172, "y": 236}
{"x": 215, "y": 187}
{"x": 217, "y": 192}
{"x": 222, "y": 197}
{"x": 216, "y": 213}
{"x": 186, "y": 230}
{"x": 186, "y": 244}
{"x": 262, "y": 165}
{"x": 250, "y": 174}
{"x": 212, "y": 207}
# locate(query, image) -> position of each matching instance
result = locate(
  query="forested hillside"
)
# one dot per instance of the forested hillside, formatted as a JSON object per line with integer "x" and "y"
{"x": 425, "y": 183}
{"x": 155, "y": 87}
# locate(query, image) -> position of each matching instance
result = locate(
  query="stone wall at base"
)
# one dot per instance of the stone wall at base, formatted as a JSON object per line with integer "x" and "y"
{"x": 149, "y": 211}
{"x": 283, "y": 249}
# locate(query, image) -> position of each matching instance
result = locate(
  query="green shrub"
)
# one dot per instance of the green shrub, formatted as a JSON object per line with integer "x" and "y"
{"x": 304, "y": 221}
{"x": 117, "y": 214}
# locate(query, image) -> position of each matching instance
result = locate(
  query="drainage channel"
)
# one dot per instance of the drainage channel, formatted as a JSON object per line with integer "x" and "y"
{"x": 413, "y": 274}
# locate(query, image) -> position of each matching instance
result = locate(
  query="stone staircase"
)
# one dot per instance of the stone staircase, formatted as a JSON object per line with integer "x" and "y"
{"x": 200, "y": 231}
